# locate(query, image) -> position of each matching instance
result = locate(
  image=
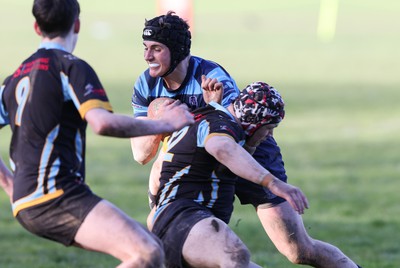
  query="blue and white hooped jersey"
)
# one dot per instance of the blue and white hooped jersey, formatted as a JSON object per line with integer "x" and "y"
{"x": 147, "y": 88}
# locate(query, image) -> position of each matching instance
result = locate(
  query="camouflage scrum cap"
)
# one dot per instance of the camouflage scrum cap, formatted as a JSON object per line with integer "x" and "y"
{"x": 257, "y": 105}
{"x": 172, "y": 31}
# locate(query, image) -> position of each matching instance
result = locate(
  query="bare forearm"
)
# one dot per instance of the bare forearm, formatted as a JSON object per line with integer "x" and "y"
{"x": 154, "y": 181}
{"x": 122, "y": 126}
{"x": 155, "y": 174}
{"x": 125, "y": 126}
{"x": 145, "y": 148}
{"x": 6, "y": 179}
{"x": 234, "y": 157}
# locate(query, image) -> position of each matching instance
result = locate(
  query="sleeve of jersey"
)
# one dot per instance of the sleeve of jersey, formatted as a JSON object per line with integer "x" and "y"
{"x": 207, "y": 129}
{"x": 82, "y": 85}
{"x": 139, "y": 97}
{"x": 231, "y": 90}
{"x": 3, "y": 113}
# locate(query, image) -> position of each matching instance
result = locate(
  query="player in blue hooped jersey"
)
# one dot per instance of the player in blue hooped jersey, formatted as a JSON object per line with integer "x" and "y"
{"x": 173, "y": 72}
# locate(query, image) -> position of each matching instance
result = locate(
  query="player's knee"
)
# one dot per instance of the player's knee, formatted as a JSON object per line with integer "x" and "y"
{"x": 242, "y": 258}
{"x": 151, "y": 257}
{"x": 239, "y": 256}
{"x": 150, "y": 254}
{"x": 300, "y": 253}
{"x": 296, "y": 258}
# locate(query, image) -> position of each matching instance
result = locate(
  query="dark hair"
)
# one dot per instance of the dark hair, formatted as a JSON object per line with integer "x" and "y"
{"x": 172, "y": 31}
{"x": 55, "y": 17}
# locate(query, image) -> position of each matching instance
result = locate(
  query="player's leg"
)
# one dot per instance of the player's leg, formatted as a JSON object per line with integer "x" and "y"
{"x": 282, "y": 224}
{"x": 286, "y": 230}
{"x": 109, "y": 230}
{"x": 211, "y": 243}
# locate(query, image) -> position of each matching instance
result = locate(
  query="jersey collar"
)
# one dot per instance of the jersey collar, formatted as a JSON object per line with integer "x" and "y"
{"x": 219, "y": 107}
{"x": 52, "y": 45}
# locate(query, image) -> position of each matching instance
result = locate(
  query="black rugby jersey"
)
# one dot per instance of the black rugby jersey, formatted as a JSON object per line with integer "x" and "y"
{"x": 190, "y": 172}
{"x": 45, "y": 102}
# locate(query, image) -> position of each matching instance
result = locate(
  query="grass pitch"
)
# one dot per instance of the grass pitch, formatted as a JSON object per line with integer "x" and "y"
{"x": 339, "y": 138}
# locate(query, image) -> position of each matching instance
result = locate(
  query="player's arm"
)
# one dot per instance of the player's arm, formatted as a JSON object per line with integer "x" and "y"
{"x": 234, "y": 157}
{"x": 106, "y": 123}
{"x": 212, "y": 89}
{"x": 154, "y": 185}
{"x": 145, "y": 148}
{"x": 6, "y": 179}
{"x": 154, "y": 178}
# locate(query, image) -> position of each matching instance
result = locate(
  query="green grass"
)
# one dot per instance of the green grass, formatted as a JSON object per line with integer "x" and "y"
{"x": 339, "y": 138}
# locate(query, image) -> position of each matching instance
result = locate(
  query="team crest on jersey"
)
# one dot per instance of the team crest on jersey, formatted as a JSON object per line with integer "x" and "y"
{"x": 88, "y": 89}
{"x": 193, "y": 101}
{"x": 70, "y": 57}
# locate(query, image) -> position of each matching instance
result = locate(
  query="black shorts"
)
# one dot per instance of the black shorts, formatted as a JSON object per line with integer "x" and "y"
{"x": 59, "y": 219}
{"x": 173, "y": 225}
{"x": 268, "y": 154}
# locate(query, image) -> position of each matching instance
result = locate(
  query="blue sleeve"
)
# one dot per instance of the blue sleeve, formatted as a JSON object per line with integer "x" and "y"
{"x": 217, "y": 127}
{"x": 231, "y": 90}
{"x": 140, "y": 101}
{"x": 202, "y": 132}
{"x": 4, "y": 120}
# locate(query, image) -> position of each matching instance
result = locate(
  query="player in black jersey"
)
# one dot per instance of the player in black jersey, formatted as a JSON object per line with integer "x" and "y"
{"x": 195, "y": 197}
{"x": 48, "y": 102}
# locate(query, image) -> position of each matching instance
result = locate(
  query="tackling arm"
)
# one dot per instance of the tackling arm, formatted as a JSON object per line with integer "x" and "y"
{"x": 145, "y": 148}
{"x": 6, "y": 179}
{"x": 155, "y": 174}
{"x": 116, "y": 125}
{"x": 154, "y": 185}
{"x": 233, "y": 156}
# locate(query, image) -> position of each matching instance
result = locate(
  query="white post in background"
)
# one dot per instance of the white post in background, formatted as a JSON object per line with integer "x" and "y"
{"x": 327, "y": 20}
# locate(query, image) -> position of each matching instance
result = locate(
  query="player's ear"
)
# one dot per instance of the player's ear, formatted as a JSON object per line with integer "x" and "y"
{"x": 77, "y": 26}
{"x": 37, "y": 28}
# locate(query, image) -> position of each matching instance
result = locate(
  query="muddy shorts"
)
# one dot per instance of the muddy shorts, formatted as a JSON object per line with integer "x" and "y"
{"x": 59, "y": 219}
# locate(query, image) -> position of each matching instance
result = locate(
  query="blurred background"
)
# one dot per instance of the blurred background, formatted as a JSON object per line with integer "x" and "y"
{"x": 336, "y": 64}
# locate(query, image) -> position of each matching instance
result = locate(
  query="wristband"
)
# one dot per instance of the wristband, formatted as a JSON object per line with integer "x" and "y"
{"x": 265, "y": 178}
{"x": 153, "y": 199}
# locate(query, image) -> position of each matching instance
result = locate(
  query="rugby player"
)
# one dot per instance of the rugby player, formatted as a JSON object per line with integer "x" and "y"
{"x": 48, "y": 102}
{"x": 173, "y": 72}
{"x": 195, "y": 197}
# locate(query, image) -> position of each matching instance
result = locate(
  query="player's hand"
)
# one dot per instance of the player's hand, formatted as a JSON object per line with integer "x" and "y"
{"x": 158, "y": 107}
{"x": 212, "y": 89}
{"x": 176, "y": 115}
{"x": 292, "y": 194}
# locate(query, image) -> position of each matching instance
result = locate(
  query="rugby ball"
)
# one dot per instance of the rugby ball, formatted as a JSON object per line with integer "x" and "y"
{"x": 154, "y": 110}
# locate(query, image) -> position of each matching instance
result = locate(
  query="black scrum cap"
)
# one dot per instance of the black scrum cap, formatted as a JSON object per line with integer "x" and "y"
{"x": 172, "y": 31}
